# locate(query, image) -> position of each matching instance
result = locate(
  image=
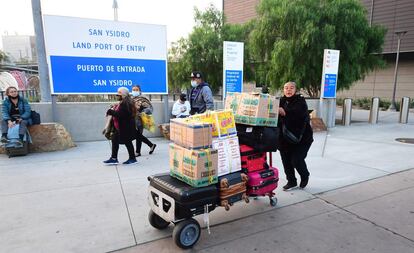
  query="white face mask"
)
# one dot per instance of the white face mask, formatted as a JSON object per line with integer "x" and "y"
{"x": 194, "y": 83}
{"x": 136, "y": 93}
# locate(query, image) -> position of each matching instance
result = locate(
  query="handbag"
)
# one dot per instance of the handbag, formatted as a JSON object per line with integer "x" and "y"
{"x": 291, "y": 137}
{"x": 148, "y": 122}
{"x": 35, "y": 116}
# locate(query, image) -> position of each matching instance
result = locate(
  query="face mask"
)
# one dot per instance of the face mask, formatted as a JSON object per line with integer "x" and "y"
{"x": 194, "y": 84}
{"x": 136, "y": 93}
{"x": 119, "y": 97}
{"x": 10, "y": 97}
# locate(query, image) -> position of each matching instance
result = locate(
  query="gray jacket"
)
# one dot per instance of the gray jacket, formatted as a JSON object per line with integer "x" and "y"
{"x": 203, "y": 99}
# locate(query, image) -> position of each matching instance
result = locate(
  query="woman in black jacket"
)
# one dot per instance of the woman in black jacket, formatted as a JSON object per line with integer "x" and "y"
{"x": 296, "y": 135}
{"x": 123, "y": 116}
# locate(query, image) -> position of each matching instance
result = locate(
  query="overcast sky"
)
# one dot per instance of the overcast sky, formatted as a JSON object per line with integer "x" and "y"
{"x": 177, "y": 15}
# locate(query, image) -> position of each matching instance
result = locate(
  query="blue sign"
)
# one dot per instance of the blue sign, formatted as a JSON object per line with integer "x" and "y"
{"x": 234, "y": 80}
{"x": 329, "y": 89}
{"x": 90, "y": 75}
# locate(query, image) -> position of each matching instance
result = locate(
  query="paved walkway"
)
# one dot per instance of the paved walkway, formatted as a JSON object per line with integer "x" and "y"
{"x": 69, "y": 202}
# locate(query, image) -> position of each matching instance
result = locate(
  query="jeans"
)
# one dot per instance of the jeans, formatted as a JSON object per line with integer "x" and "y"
{"x": 22, "y": 127}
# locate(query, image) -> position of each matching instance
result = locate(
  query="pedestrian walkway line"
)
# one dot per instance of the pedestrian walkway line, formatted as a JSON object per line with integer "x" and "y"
{"x": 365, "y": 219}
{"x": 126, "y": 205}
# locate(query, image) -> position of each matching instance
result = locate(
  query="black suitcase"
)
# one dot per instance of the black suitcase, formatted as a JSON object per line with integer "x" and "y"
{"x": 232, "y": 188}
{"x": 12, "y": 149}
{"x": 189, "y": 201}
{"x": 260, "y": 138}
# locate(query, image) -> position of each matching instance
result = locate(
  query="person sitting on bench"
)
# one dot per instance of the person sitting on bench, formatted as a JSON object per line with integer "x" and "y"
{"x": 15, "y": 110}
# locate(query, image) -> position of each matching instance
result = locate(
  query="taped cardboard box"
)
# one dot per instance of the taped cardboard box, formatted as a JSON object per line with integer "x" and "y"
{"x": 197, "y": 168}
{"x": 228, "y": 155}
{"x": 254, "y": 109}
{"x": 223, "y": 123}
{"x": 191, "y": 134}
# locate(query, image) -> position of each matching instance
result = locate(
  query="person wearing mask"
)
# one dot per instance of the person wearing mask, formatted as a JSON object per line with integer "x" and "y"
{"x": 181, "y": 107}
{"x": 123, "y": 116}
{"x": 201, "y": 97}
{"x": 296, "y": 135}
{"x": 15, "y": 111}
{"x": 142, "y": 104}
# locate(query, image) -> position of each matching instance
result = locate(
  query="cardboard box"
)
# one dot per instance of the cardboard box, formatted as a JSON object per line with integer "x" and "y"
{"x": 228, "y": 155}
{"x": 191, "y": 134}
{"x": 254, "y": 109}
{"x": 197, "y": 168}
{"x": 223, "y": 123}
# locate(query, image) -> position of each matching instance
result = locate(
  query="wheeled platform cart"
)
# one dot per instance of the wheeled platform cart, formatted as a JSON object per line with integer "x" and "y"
{"x": 173, "y": 201}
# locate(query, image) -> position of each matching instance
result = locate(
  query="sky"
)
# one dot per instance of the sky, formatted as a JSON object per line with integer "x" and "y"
{"x": 177, "y": 15}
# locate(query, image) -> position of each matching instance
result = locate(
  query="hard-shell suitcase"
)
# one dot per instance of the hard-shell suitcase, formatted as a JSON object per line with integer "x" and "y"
{"x": 232, "y": 188}
{"x": 262, "y": 183}
{"x": 252, "y": 160}
{"x": 262, "y": 139}
{"x": 187, "y": 201}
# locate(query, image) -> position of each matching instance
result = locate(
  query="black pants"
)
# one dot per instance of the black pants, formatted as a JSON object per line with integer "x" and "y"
{"x": 294, "y": 158}
{"x": 142, "y": 139}
{"x": 115, "y": 147}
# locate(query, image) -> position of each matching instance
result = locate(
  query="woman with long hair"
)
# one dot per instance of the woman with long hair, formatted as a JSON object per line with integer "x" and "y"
{"x": 123, "y": 116}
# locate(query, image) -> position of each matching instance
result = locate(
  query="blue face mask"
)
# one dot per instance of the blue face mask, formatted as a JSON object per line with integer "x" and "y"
{"x": 194, "y": 84}
{"x": 136, "y": 93}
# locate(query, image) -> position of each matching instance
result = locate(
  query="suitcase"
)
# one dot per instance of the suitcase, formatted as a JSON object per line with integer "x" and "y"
{"x": 13, "y": 149}
{"x": 262, "y": 139}
{"x": 262, "y": 183}
{"x": 232, "y": 188}
{"x": 173, "y": 199}
{"x": 252, "y": 160}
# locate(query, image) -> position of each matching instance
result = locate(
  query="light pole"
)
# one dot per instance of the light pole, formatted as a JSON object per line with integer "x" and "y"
{"x": 399, "y": 35}
{"x": 115, "y": 7}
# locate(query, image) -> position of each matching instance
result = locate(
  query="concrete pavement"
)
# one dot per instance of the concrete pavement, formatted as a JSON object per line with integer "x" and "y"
{"x": 360, "y": 178}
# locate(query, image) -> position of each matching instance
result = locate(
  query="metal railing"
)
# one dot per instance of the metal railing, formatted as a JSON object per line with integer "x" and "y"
{"x": 29, "y": 94}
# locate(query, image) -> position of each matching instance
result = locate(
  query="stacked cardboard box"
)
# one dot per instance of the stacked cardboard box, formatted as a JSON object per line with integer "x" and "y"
{"x": 190, "y": 134}
{"x": 223, "y": 122}
{"x": 253, "y": 108}
{"x": 192, "y": 160}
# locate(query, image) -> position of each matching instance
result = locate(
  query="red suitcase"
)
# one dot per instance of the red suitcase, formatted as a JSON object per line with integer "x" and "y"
{"x": 252, "y": 160}
{"x": 262, "y": 183}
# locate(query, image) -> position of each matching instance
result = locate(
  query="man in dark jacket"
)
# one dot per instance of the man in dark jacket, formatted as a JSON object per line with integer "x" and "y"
{"x": 15, "y": 111}
{"x": 296, "y": 135}
{"x": 201, "y": 97}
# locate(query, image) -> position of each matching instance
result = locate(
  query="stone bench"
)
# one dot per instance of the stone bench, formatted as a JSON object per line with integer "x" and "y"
{"x": 48, "y": 137}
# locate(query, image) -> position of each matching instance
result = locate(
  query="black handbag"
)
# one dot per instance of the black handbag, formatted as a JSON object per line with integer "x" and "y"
{"x": 35, "y": 116}
{"x": 291, "y": 137}
{"x": 260, "y": 138}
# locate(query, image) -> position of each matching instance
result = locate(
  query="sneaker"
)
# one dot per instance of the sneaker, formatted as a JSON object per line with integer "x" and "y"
{"x": 111, "y": 161}
{"x": 137, "y": 154}
{"x": 289, "y": 185}
{"x": 152, "y": 148}
{"x": 130, "y": 161}
{"x": 4, "y": 139}
{"x": 304, "y": 182}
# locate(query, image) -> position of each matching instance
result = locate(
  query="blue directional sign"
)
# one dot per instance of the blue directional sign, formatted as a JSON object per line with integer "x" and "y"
{"x": 234, "y": 80}
{"x": 329, "y": 90}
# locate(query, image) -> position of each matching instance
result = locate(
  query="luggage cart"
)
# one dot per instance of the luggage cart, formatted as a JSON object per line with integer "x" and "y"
{"x": 173, "y": 201}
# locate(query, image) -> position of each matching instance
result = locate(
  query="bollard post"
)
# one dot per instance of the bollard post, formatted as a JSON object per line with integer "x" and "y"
{"x": 373, "y": 114}
{"x": 346, "y": 112}
{"x": 404, "y": 109}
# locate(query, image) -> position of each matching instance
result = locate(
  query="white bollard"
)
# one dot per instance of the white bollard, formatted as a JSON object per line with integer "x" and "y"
{"x": 347, "y": 112}
{"x": 373, "y": 114}
{"x": 404, "y": 109}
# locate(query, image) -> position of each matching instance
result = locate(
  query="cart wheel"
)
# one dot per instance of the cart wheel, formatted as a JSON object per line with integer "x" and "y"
{"x": 227, "y": 207}
{"x": 186, "y": 233}
{"x": 273, "y": 201}
{"x": 156, "y": 221}
{"x": 246, "y": 198}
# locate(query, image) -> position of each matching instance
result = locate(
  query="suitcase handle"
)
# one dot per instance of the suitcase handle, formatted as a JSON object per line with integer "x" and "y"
{"x": 273, "y": 181}
{"x": 266, "y": 174}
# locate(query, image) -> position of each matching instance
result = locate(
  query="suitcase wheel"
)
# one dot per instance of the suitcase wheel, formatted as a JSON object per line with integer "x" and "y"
{"x": 224, "y": 183}
{"x": 156, "y": 221}
{"x": 226, "y": 204}
{"x": 186, "y": 233}
{"x": 273, "y": 201}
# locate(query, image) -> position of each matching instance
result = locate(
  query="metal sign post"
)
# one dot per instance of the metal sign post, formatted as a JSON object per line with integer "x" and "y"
{"x": 327, "y": 106}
